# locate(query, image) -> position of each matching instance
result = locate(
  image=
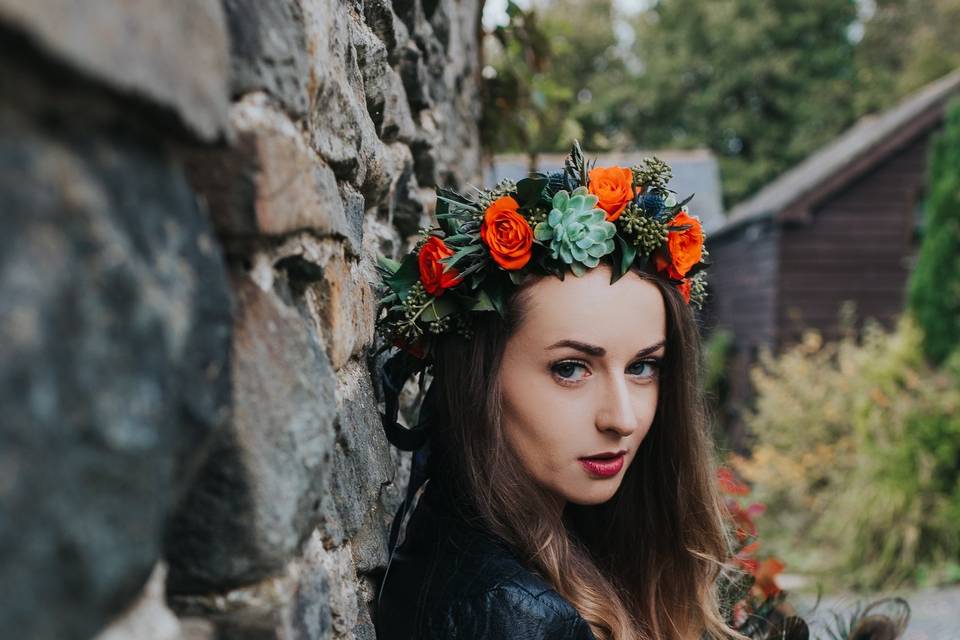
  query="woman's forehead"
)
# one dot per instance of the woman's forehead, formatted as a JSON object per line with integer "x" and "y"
{"x": 627, "y": 314}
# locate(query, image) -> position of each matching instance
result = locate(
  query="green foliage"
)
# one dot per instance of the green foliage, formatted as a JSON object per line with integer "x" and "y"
{"x": 762, "y": 84}
{"x": 717, "y": 353}
{"x": 857, "y": 456}
{"x": 934, "y": 295}
{"x": 526, "y": 103}
{"x": 557, "y": 75}
{"x": 906, "y": 44}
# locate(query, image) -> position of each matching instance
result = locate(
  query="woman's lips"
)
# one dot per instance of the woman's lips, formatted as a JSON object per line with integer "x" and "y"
{"x": 603, "y": 467}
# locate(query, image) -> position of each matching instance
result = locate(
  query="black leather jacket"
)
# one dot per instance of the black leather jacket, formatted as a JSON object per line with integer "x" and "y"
{"x": 452, "y": 580}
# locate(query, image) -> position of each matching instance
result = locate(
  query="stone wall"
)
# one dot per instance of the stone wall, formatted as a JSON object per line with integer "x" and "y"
{"x": 192, "y": 194}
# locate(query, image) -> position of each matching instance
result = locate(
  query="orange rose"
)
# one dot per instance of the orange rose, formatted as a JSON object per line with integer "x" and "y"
{"x": 434, "y": 279}
{"x": 686, "y": 247}
{"x": 507, "y": 234}
{"x": 613, "y": 186}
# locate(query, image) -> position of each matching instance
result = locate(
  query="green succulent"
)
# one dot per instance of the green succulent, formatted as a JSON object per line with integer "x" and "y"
{"x": 577, "y": 230}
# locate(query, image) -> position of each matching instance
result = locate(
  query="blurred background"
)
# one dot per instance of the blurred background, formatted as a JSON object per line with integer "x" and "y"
{"x": 192, "y": 196}
{"x": 822, "y": 143}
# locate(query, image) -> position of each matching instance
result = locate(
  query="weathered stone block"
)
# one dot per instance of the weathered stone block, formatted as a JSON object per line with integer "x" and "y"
{"x": 344, "y": 305}
{"x": 387, "y": 102}
{"x": 268, "y": 51}
{"x": 388, "y": 27}
{"x": 175, "y": 54}
{"x": 362, "y": 461}
{"x": 397, "y": 122}
{"x": 257, "y": 497}
{"x": 313, "y": 598}
{"x": 334, "y": 290}
{"x": 149, "y": 618}
{"x": 115, "y": 326}
{"x": 270, "y": 182}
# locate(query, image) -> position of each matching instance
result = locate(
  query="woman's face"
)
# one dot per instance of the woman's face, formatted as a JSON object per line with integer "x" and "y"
{"x": 580, "y": 378}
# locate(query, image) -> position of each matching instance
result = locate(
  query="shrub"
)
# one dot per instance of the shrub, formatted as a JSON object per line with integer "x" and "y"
{"x": 934, "y": 293}
{"x": 857, "y": 456}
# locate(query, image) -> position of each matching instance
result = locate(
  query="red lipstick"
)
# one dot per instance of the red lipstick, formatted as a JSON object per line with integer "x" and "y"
{"x": 604, "y": 465}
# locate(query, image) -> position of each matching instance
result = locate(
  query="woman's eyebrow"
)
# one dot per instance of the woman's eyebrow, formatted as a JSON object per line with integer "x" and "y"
{"x": 599, "y": 352}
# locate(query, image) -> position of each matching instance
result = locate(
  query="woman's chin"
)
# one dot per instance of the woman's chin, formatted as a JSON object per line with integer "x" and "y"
{"x": 595, "y": 495}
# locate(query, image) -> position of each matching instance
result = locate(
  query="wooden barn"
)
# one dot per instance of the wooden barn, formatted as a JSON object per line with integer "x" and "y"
{"x": 843, "y": 225}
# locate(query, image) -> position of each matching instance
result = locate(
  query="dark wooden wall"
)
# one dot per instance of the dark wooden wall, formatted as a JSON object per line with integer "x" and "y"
{"x": 743, "y": 299}
{"x": 859, "y": 246}
{"x": 743, "y": 281}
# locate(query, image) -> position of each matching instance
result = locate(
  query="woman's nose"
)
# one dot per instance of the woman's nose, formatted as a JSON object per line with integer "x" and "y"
{"x": 617, "y": 411}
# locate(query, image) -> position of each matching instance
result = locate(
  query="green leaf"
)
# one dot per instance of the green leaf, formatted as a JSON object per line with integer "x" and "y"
{"x": 515, "y": 277}
{"x": 459, "y": 206}
{"x": 495, "y": 290}
{"x": 460, "y": 255}
{"x": 387, "y": 299}
{"x": 444, "y": 218}
{"x": 529, "y": 190}
{"x": 460, "y": 237}
{"x": 483, "y": 302}
{"x": 404, "y": 276}
{"x": 628, "y": 253}
{"x": 438, "y": 308}
{"x": 473, "y": 269}
{"x": 388, "y": 264}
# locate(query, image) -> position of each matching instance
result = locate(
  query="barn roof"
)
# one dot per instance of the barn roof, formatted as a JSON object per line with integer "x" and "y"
{"x": 867, "y": 142}
{"x": 694, "y": 172}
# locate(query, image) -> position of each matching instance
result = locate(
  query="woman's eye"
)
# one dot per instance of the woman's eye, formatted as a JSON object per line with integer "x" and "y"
{"x": 566, "y": 370}
{"x": 646, "y": 368}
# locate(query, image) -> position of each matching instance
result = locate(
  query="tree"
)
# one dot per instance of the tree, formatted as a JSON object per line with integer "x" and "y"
{"x": 760, "y": 83}
{"x": 555, "y": 74}
{"x": 934, "y": 295}
{"x": 588, "y": 61}
{"x": 905, "y": 45}
{"x": 525, "y": 108}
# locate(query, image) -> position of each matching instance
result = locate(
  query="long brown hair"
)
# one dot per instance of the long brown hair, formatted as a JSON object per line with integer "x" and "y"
{"x": 642, "y": 565}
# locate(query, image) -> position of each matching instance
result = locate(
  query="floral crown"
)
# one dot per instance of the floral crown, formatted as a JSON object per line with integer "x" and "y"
{"x": 546, "y": 224}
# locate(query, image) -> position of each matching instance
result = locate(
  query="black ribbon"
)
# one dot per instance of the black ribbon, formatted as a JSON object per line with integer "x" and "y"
{"x": 395, "y": 373}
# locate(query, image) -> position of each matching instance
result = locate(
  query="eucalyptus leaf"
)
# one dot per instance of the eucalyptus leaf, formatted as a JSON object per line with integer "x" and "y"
{"x": 460, "y": 255}
{"x": 450, "y": 195}
{"x": 462, "y": 205}
{"x": 474, "y": 268}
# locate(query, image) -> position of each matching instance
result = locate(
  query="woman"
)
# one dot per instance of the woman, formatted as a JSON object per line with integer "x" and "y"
{"x": 570, "y": 490}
